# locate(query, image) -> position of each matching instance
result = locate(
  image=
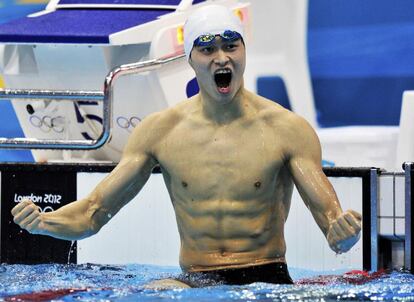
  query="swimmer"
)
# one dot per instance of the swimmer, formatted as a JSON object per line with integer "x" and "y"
{"x": 229, "y": 159}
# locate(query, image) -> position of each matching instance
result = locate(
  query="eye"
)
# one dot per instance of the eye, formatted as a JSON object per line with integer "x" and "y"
{"x": 207, "y": 49}
{"x": 230, "y": 46}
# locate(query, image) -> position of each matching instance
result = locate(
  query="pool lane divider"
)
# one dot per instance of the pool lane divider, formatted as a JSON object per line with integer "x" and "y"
{"x": 356, "y": 277}
{"x": 46, "y": 295}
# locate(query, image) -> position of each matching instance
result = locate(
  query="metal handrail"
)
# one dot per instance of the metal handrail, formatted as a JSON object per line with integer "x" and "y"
{"x": 92, "y": 96}
{"x": 409, "y": 211}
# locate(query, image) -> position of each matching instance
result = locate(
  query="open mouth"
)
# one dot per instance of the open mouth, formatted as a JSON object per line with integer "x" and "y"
{"x": 222, "y": 77}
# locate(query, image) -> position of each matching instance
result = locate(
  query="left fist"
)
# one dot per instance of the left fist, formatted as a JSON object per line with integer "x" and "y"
{"x": 344, "y": 232}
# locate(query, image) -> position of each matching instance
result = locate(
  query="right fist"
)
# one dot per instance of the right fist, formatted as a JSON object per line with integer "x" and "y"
{"x": 27, "y": 215}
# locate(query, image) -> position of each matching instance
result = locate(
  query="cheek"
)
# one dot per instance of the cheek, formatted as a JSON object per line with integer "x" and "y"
{"x": 202, "y": 71}
{"x": 199, "y": 69}
{"x": 240, "y": 66}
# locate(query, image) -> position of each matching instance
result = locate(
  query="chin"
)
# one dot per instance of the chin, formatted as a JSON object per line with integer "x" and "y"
{"x": 224, "y": 98}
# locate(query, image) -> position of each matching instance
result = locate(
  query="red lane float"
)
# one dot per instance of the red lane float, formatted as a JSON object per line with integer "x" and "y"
{"x": 351, "y": 277}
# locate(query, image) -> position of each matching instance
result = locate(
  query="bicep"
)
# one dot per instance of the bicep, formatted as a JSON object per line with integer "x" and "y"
{"x": 304, "y": 158}
{"x": 132, "y": 172}
{"x": 123, "y": 183}
{"x": 128, "y": 177}
{"x": 312, "y": 183}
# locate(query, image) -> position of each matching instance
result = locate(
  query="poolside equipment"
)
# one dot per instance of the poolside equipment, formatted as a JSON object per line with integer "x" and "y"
{"x": 56, "y": 62}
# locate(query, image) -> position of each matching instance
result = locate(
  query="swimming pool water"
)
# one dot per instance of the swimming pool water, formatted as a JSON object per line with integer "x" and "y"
{"x": 90, "y": 282}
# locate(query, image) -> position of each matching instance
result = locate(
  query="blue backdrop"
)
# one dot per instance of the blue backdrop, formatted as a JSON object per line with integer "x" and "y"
{"x": 361, "y": 60}
{"x": 360, "y": 57}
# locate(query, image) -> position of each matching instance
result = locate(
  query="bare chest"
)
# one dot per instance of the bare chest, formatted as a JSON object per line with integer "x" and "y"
{"x": 231, "y": 162}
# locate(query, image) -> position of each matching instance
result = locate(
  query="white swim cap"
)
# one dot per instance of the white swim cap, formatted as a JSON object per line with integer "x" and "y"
{"x": 210, "y": 19}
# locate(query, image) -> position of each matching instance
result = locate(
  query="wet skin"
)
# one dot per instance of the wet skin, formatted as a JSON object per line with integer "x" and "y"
{"x": 229, "y": 159}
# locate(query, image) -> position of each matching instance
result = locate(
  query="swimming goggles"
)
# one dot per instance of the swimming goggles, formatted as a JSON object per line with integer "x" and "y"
{"x": 208, "y": 39}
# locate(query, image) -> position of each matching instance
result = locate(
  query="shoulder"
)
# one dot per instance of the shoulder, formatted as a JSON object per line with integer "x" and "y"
{"x": 154, "y": 127}
{"x": 166, "y": 119}
{"x": 293, "y": 130}
{"x": 279, "y": 117}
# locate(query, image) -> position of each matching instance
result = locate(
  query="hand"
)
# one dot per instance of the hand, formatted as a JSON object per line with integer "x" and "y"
{"x": 27, "y": 215}
{"x": 344, "y": 232}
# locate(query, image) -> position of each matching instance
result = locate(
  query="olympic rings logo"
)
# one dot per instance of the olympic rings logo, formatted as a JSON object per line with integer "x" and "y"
{"x": 48, "y": 123}
{"x": 128, "y": 124}
{"x": 45, "y": 209}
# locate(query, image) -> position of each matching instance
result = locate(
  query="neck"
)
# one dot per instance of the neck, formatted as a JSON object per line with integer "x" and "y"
{"x": 223, "y": 111}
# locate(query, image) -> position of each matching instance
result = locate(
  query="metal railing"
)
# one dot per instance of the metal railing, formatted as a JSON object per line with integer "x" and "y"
{"x": 89, "y": 96}
{"x": 369, "y": 177}
{"x": 409, "y": 212}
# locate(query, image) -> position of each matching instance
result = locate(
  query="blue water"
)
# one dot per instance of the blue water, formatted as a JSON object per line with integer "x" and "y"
{"x": 125, "y": 283}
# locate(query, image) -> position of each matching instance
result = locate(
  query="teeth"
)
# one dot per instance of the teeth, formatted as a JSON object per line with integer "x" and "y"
{"x": 223, "y": 71}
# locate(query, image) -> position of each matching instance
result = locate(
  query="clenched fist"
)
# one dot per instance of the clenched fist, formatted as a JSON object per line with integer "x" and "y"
{"x": 28, "y": 216}
{"x": 344, "y": 232}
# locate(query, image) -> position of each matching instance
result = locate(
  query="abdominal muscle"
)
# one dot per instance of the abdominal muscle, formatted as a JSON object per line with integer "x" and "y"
{"x": 219, "y": 234}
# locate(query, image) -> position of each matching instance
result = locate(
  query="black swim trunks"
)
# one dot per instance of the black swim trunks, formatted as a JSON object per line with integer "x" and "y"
{"x": 276, "y": 273}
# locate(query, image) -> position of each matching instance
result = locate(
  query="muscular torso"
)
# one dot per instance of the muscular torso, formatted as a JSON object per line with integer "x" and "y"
{"x": 230, "y": 189}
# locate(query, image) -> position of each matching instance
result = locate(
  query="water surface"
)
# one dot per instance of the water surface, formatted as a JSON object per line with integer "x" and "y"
{"x": 91, "y": 282}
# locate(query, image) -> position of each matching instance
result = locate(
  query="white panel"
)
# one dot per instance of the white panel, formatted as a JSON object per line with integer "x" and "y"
{"x": 306, "y": 244}
{"x": 360, "y": 146}
{"x": 386, "y": 227}
{"x": 144, "y": 231}
{"x": 405, "y": 145}
{"x": 385, "y": 194}
{"x": 390, "y": 196}
{"x": 400, "y": 226}
{"x": 400, "y": 196}
{"x": 391, "y": 205}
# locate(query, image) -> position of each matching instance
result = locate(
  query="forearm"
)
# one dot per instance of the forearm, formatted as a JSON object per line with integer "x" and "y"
{"x": 322, "y": 201}
{"x": 318, "y": 194}
{"x": 341, "y": 229}
{"x": 71, "y": 222}
{"x": 83, "y": 218}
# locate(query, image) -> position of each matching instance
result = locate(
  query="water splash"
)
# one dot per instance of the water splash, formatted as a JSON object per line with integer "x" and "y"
{"x": 71, "y": 250}
{"x": 92, "y": 282}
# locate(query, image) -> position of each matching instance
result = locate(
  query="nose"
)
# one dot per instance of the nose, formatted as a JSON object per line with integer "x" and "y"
{"x": 221, "y": 58}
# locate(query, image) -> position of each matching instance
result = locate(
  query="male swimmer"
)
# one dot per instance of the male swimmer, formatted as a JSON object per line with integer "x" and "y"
{"x": 229, "y": 159}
